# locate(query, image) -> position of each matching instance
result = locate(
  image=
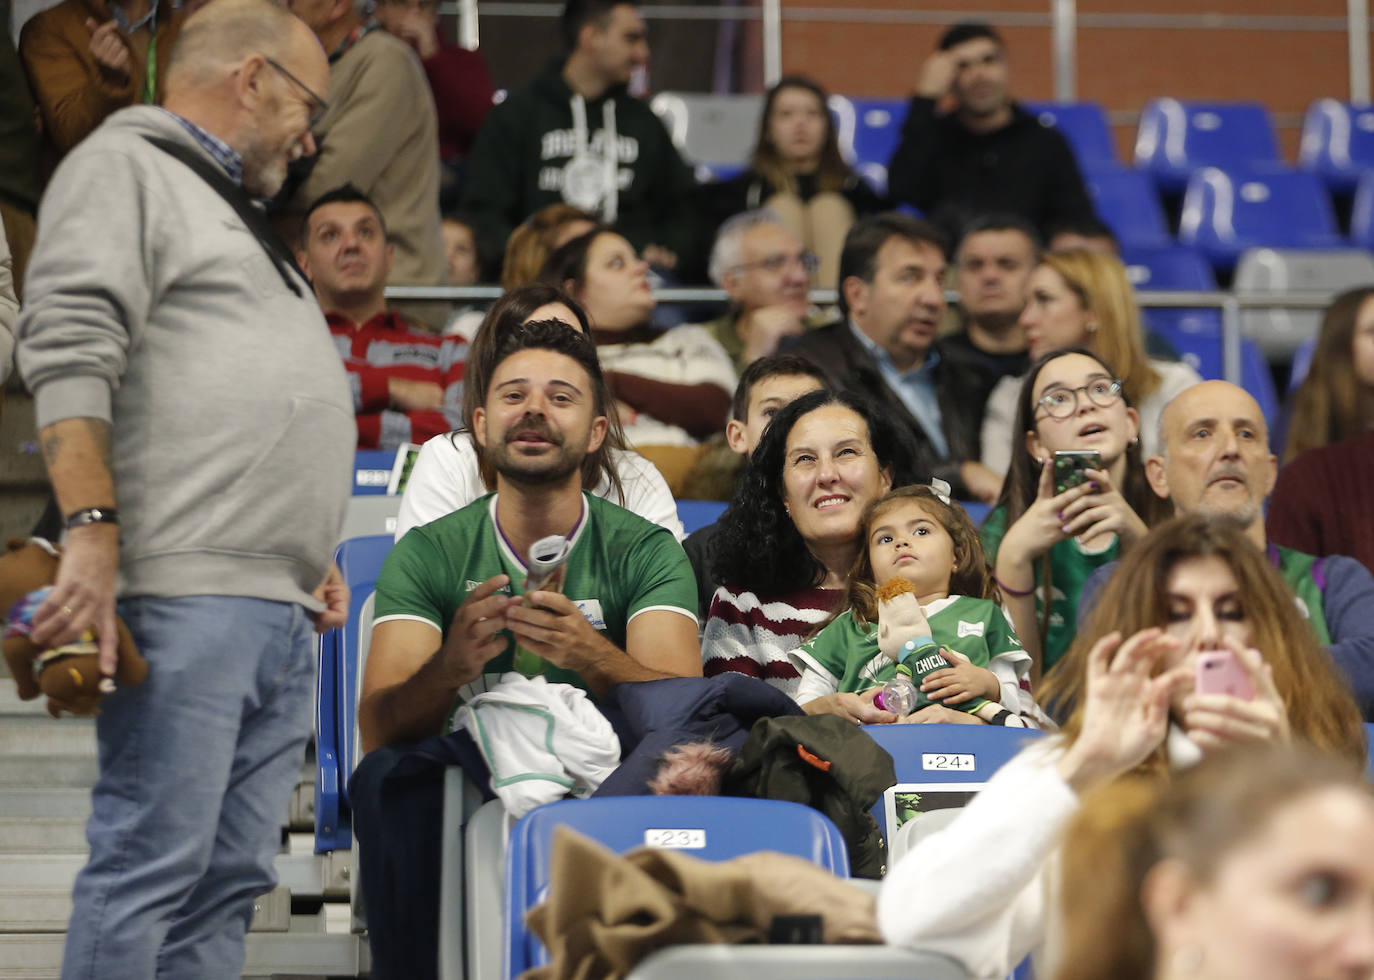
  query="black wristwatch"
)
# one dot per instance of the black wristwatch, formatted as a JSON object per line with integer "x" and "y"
{"x": 91, "y": 515}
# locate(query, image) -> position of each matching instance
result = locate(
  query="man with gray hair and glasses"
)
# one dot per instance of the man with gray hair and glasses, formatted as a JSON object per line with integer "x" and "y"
{"x": 763, "y": 267}
{"x": 1214, "y": 460}
{"x": 381, "y": 135}
{"x": 198, "y": 430}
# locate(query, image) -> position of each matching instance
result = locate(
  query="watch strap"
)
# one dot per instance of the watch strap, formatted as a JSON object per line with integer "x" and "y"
{"x": 91, "y": 515}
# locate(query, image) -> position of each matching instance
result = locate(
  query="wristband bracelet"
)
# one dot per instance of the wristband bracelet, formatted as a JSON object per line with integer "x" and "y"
{"x": 1000, "y": 718}
{"x": 1010, "y": 591}
{"x": 91, "y": 515}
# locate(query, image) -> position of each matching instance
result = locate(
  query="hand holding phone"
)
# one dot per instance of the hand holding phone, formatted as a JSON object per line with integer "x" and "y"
{"x": 1220, "y": 672}
{"x": 1071, "y": 467}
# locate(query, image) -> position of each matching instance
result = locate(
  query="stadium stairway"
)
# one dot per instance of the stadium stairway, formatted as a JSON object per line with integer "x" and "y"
{"x": 47, "y": 766}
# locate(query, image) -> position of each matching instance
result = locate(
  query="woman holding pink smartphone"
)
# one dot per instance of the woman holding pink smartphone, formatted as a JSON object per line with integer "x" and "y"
{"x": 1129, "y": 686}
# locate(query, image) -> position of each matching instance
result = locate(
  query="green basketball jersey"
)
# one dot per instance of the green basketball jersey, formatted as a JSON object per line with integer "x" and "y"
{"x": 1070, "y": 568}
{"x": 620, "y": 565}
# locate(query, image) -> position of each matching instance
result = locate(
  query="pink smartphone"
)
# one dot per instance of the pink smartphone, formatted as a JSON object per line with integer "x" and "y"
{"x": 1219, "y": 672}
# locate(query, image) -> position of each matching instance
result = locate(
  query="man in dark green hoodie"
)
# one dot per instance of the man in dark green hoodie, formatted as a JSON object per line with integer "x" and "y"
{"x": 575, "y": 134}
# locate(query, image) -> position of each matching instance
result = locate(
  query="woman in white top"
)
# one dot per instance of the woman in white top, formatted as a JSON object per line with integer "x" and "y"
{"x": 450, "y": 471}
{"x": 984, "y": 890}
{"x": 1082, "y": 298}
{"x": 672, "y": 387}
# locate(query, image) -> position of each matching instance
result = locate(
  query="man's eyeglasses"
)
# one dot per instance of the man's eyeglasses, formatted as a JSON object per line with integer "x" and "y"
{"x": 781, "y": 260}
{"x": 1063, "y": 402}
{"x": 315, "y": 105}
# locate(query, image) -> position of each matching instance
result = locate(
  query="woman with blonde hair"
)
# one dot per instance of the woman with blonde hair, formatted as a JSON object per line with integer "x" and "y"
{"x": 985, "y": 890}
{"x": 1256, "y": 863}
{"x": 1336, "y": 400}
{"x": 1082, "y": 298}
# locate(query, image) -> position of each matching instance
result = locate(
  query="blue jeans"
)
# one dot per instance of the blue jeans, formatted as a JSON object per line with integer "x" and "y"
{"x": 196, "y": 767}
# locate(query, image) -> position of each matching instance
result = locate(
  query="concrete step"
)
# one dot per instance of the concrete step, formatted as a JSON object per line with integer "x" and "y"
{"x": 41, "y": 735}
{"x": 47, "y": 772}
{"x": 304, "y": 875}
{"x": 40, "y": 909}
{"x": 11, "y": 705}
{"x": 34, "y": 910}
{"x": 52, "y": 835}
{"x": 298, "y": 954}
{"x": 42, "y": 803}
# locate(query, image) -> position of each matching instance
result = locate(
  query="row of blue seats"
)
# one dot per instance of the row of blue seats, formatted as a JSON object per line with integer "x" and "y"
{"x": 1222, "y": 157}
{"x": 1173, "y": 138}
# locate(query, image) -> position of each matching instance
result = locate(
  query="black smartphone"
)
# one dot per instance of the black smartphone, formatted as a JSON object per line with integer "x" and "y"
{"x": 1071, "y": 467}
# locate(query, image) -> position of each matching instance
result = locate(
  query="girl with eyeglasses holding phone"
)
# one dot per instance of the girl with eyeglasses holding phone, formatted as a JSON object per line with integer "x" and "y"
{"x": 1079, "y": 298}
{"x": 1075, "y": 496}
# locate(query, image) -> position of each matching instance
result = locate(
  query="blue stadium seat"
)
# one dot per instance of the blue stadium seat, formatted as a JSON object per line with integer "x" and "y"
{"x": 1128, "y": 203}
{"x": 1302, "y": 363}
{"x": 1201, "y": 346}
{"x": 1175, "y": 138}
{"x": 1178, "y": 267}
{"x": 947, "y": 753}
{"x": 695, "y": 514}
{"x": 1227, "y": 212}
{"x": 372, "y": 470}
{"x": 1083, "y": 124}
{"x": 1362, "y": 212}
{"x": 1173, "y": 267}
{"x": 724, "y": 827}
{"x": 977, "y": 510}
{"x": 868, "y": 131}
{"x": 360, "y": 561}
{"x": 1337, "y": 143}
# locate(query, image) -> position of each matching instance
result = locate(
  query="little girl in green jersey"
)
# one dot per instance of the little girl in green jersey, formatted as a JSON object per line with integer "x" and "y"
{"x": 944, "y": 608}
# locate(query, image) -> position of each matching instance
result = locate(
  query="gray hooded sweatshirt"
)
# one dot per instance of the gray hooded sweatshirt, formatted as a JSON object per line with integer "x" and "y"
{"x": 150, "y": 305}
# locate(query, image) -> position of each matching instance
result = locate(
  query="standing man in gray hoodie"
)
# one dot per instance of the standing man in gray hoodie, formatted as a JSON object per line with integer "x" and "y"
{"x": 198, "y": 431}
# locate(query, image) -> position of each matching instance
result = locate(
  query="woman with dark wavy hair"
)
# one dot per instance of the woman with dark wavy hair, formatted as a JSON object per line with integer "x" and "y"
{"x": 451, "y": 470}
{"x": 798, "y": 172}
{"x": 792, "y": 532}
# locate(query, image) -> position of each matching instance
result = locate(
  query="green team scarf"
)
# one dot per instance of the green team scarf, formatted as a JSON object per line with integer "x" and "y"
{"x": 1306, "y": 576}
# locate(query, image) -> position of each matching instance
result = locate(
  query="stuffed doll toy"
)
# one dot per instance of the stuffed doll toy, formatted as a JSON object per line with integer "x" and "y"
{"x": 904, "y": 635}
{"x": 68, "y": 675}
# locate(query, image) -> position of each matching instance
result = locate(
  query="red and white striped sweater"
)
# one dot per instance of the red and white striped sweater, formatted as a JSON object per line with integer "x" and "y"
{"x": 383, "y": 348}
{"x": 749, "y": 634}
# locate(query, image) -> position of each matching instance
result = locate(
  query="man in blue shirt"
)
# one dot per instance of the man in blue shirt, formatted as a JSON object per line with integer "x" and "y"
{"x": 892, "y": 270}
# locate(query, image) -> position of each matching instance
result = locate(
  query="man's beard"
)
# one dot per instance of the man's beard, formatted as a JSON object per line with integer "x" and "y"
{"x": 542, "y": 470}
{"x": 264, "y": 172}
{"x": 1239, "y": 519}
{"x": 264, "y": 166}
